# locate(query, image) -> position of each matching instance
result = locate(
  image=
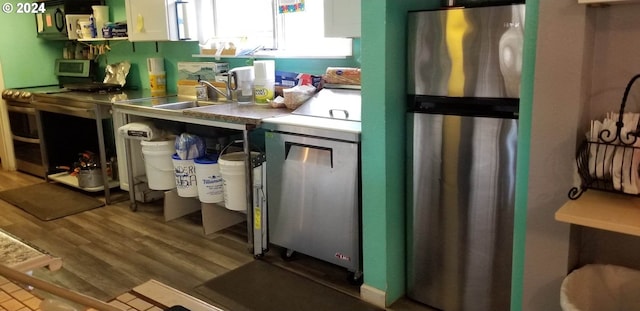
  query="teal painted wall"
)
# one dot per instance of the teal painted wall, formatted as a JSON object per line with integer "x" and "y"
{"x": 29, "y": 61}
{"x": 26, "y": 60}
{"x": 524, "y": 150}
{"x": 174, "y": 52}
{"x": 384, "y": 142}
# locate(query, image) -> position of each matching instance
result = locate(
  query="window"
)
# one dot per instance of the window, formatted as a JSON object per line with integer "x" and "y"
{"x": 252, "y": 23}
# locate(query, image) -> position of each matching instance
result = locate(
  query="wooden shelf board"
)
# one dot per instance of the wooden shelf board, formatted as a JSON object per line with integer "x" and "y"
{"x": 603, "y": 210}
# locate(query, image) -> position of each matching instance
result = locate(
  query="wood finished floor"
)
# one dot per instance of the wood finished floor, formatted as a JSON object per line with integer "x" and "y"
{"x": 109, "y": 250}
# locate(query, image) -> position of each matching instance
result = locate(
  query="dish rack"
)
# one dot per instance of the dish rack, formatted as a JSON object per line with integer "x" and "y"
{"x": 612, "y": 163}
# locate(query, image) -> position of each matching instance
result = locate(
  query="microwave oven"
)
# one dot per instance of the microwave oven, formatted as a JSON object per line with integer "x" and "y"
{"x": 51, "y": 24}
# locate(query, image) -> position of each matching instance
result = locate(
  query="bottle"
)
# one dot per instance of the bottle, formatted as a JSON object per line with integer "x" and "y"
{"x": 94, "y": 32}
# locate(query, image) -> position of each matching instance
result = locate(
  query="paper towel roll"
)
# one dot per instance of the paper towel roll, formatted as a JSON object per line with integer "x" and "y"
{"x": 264, "y": 69}
{"x": 155, "y": 64}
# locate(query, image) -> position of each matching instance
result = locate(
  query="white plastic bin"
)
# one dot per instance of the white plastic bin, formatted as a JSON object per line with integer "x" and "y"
{"x": 602, "y": 288}
{"x": 185, "y": 177}
{"x": 234, "y": 180}
{"x": 209, "y": 179}
{"x": 158, "y": 165}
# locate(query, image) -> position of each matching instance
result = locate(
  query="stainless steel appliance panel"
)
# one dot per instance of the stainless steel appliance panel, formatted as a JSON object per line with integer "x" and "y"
{"x": 462, "y": 204}
{"x": 466, "y": 52}
{"x": 341, "y": 104}
{"x": 313, "y": 197}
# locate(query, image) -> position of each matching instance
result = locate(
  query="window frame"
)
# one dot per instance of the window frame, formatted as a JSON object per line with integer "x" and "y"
{"x": 279, "y": 37}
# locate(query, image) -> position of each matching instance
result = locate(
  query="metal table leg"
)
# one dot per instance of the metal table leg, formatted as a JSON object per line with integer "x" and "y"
{"x": 103, "y": 157}
{"x": 256, "y": 201}
{"x": 133, "y": 205}
{"x": 249, "y": 186}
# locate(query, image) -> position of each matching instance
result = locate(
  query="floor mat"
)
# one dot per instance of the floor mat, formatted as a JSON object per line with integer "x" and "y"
{"x": 265, "y": 287}
{"x": 49, "y": 201}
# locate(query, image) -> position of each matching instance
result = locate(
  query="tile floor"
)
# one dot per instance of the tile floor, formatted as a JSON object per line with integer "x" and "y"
{"x": 14, "y": 297}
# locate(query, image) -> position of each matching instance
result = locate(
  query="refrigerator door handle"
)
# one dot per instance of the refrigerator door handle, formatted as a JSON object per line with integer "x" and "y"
{"x": 308, "y": 154}
{"x": 346, "y": 113}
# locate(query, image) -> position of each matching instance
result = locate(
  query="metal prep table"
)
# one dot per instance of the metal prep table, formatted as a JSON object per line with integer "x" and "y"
{"x": 78, "y": 106}
{"x": 233, "y": 116}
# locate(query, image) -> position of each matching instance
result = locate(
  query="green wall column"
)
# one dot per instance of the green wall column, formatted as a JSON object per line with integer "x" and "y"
{"x": 524, "y": 149}
{"x": 384, "y": 142}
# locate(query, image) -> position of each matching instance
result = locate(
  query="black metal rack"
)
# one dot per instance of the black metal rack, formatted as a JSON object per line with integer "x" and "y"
{"x": 603, "y": 164}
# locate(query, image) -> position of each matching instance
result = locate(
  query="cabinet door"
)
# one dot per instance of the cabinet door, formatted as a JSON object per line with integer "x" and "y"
{"x": 342, "y": 18}
{"x": 147, "y": 20}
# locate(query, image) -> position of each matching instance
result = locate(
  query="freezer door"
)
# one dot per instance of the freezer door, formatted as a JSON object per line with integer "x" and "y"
{"x": 461, "y": 205}
{"x": 466, "y": 52}
{"x": 313, "y": 197}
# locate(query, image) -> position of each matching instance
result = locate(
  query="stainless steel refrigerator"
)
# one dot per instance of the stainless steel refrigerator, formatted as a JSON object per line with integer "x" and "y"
{"x": 463, "y": 81}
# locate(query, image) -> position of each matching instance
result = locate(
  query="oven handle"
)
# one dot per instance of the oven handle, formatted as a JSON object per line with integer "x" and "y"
{"x": 25, "y": 110}
{"x": 26, "y": 139}
{"x": 81, "y": 112}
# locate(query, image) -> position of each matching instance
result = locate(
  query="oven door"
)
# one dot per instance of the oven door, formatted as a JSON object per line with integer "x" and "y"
{"x": 26, "y": 140}
{"x": 22, "y": 121}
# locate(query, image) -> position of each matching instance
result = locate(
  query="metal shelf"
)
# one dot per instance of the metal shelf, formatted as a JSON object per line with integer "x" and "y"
{"x": 104, "y": 39}
{"x": 67, "y": 179}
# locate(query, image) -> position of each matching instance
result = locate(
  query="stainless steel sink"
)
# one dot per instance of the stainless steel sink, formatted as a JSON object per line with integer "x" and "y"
{"x": 186, "y": 105}
{"x": 178, "y": 105}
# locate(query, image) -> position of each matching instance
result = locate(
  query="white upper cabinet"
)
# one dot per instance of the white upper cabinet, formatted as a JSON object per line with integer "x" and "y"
{"x": 607, "y": 1}
{"x": 342, "y": 18}
{"x": 167, "y": 20}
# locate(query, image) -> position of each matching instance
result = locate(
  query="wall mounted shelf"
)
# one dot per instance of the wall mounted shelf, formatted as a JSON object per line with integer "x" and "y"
{"x": 603, "y": 210}
{"x": 103, "y": 39}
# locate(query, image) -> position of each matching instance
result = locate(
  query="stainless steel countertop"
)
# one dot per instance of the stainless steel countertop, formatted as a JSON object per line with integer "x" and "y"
{"x": 107, "y": 98}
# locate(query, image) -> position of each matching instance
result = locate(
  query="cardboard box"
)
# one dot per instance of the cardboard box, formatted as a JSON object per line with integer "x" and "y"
{"x": 205, "y": 70}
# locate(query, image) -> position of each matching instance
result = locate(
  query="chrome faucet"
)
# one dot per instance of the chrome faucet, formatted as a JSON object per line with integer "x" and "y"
{"x": 228, "y": 92}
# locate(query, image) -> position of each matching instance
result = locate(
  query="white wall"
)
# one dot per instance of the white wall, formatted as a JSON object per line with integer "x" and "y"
{"x": 615, "y": 61}
{"x": 557, "y": 102}
{"x": 6, "y": 145}
{"x": 585, "y": 57}
{"x": 616, "y": 58}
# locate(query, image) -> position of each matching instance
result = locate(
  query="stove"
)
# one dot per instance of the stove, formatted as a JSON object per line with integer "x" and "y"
{"x": 24, "y": 128}
{"x": 24, "y": 95}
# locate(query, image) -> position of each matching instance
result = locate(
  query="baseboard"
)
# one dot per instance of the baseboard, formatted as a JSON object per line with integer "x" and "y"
{"x": 373, "y": 296}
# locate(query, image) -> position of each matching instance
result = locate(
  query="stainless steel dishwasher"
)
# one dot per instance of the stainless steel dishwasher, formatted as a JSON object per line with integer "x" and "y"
{"x": 313, "y": 178}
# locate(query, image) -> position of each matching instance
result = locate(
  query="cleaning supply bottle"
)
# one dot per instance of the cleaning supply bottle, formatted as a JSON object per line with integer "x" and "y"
{"x": 92, "y": 21}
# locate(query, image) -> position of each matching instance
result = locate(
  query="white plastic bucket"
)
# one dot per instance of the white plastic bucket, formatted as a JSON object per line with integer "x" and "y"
{"x": 157, "y": 163}
{"x": 234, "y": 180}
{"x": 185, "y": 177}
{"x": 209, "y": 179}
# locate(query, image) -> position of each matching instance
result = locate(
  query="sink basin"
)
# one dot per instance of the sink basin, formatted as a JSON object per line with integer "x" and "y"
{"x": 186, "y": 105}
{"x": 178, "y": 105}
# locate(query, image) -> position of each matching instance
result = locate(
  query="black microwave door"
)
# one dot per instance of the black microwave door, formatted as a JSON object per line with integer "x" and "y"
{"x": 58, "y": 21}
